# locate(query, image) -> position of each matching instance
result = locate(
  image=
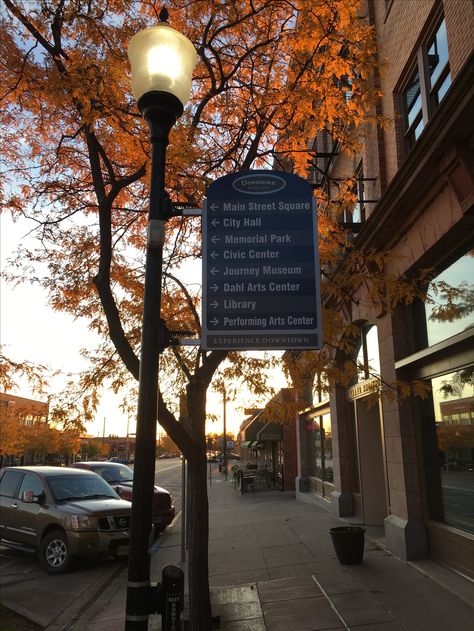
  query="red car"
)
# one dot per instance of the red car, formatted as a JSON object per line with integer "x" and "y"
{"x": 120, "y": 478}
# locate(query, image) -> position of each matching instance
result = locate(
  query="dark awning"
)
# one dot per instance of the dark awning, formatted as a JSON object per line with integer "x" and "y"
{"x": 255, "y": 444}
{"x": 252, "y": 429}
{"x": 270, "y": 431}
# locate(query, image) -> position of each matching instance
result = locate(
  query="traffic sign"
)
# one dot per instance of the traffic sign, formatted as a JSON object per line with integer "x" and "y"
{"x": 260, "y": 263}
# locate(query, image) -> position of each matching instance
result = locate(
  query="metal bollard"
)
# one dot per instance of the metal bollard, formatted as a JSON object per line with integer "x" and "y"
{"x": 173, "y": 598}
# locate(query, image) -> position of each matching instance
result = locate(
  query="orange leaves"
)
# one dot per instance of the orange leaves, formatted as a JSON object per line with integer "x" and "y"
{"x": 11, "y": 372}
{"x": 451, "y": 303}
{"x": 270, "y": 75}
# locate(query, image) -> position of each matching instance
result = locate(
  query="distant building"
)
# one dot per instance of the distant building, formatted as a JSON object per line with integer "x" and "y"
{"x": 17, "y": 413}
{"x": 119, "y": 447}
{"x": 26, "y": 411}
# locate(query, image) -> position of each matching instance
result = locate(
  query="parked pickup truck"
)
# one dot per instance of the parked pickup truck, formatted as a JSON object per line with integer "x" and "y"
{"x": 62, "y": 513}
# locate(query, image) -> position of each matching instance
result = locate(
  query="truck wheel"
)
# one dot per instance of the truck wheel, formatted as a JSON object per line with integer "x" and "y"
{"x": 54, "y": 553}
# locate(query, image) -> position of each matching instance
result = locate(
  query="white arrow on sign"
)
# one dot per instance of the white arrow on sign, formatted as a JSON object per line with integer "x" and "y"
{"x": 214, "y": 287}
{"x": 213, "y": 271}
{"x": 214, "y": 321}
{"x": 215, "y": 239}
{"x": 215, "y": 222}
{"x": 214, "y": 206}
{"x": 214, "y": 254}
{"x": 214, "y": 304}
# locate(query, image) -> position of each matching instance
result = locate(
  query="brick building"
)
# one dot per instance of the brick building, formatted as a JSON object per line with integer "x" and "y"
{"x": 407, "y": 464}
{"x": 16, "y": 413}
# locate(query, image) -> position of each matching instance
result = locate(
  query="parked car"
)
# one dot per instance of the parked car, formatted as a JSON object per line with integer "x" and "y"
{"x": 62, "y": 513}
{"x": 120, "y": 478}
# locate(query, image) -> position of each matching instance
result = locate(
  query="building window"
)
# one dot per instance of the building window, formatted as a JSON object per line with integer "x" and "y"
{"x": 450, "y": 306}
{"x": 318, "y": 448}
{"x": 453, "y": 409}
{"x": 437, "y": 58}
{"x": 26, "y": 421}
{"x": 413, "y": 109}
{"x": 427, "y": 85}
{"x": 368, "y": 361}
{"x": 326, "y": 440}
{"x": 323, "y": 464}
{"x": 353, "y": 218}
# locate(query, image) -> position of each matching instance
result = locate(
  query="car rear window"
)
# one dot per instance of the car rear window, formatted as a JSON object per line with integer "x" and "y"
{"x": 115, "y": 473}
{"x": 79, "y": 487}
{"x": 9, "y": 483}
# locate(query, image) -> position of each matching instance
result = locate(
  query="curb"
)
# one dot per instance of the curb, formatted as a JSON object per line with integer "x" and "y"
{"x": 73, "y": 614}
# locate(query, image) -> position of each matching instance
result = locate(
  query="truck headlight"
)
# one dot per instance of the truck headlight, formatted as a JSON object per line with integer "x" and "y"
{"x": 84, "y": 522}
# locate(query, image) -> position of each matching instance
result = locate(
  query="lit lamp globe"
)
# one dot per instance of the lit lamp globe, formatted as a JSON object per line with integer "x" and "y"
{"x": 162, "y": 62}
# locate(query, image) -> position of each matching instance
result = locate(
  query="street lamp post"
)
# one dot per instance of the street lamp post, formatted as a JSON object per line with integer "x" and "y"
{"x": 162, "y": 61}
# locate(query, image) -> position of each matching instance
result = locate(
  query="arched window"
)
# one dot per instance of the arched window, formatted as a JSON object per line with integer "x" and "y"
{"x": 368, "y": 361}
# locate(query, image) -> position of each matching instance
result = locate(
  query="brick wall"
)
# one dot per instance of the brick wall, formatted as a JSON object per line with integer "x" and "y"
{"x": 401, "y": 30}
{"x": 398, "y": 33}
{"x": 460, "y": 27}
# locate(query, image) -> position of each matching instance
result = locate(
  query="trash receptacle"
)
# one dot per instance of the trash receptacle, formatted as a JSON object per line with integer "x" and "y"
{"x": 348, "y": 543}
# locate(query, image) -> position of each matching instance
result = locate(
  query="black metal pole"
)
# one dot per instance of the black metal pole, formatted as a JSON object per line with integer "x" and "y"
{"x": 160, "y": 110}
{"x": 184, "y": 512}
{"x": 225, "y": 432}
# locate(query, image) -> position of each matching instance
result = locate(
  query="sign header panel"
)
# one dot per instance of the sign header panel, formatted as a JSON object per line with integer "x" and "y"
{"x": 260, "y": 263}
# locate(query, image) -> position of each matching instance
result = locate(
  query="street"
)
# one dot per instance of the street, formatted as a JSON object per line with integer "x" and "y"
{"x": 23, "y": 582}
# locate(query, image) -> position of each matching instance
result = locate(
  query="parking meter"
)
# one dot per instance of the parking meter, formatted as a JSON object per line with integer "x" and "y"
{"x": 173, "y": 598}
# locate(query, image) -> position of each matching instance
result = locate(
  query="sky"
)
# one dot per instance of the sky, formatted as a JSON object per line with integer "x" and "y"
{"x": 31, "y": 330}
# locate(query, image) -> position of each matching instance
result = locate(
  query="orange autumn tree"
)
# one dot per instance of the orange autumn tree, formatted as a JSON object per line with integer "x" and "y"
{"x": 9, "y": 432}
{"x": 40, "y": 438}
{"x": 270, "y": 75}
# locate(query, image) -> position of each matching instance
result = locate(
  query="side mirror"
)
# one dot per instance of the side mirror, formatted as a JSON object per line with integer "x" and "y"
{"x": 29, "y": 497}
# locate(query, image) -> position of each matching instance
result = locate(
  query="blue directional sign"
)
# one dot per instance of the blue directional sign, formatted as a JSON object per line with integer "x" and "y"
{"x": 260, "y": 263}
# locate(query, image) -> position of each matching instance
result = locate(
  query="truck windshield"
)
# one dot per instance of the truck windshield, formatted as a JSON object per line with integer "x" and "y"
{"x": 79, "y": 487}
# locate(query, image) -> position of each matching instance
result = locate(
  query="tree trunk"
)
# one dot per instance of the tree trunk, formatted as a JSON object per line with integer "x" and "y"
{"x": 198, "y": 518}
{"x": 198, "y": 569}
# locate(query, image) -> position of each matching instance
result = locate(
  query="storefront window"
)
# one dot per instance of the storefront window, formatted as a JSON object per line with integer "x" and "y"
{"x": 453, "y": 402}
{"x": 323, "y": 465}
{"x": 318, "y": 451}
{"x": 328, "y": 472}
{"x": 450, "y": 306}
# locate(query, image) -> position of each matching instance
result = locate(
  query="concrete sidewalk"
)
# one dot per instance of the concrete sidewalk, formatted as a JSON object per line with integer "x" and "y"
{"x": 273, "y": 568}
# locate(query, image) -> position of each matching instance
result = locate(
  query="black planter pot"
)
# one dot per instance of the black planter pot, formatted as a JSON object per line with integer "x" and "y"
{"x": 348, "y": 543}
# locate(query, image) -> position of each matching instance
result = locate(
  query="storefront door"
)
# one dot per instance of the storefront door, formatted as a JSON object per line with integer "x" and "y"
{"x": 371, "y": 463}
